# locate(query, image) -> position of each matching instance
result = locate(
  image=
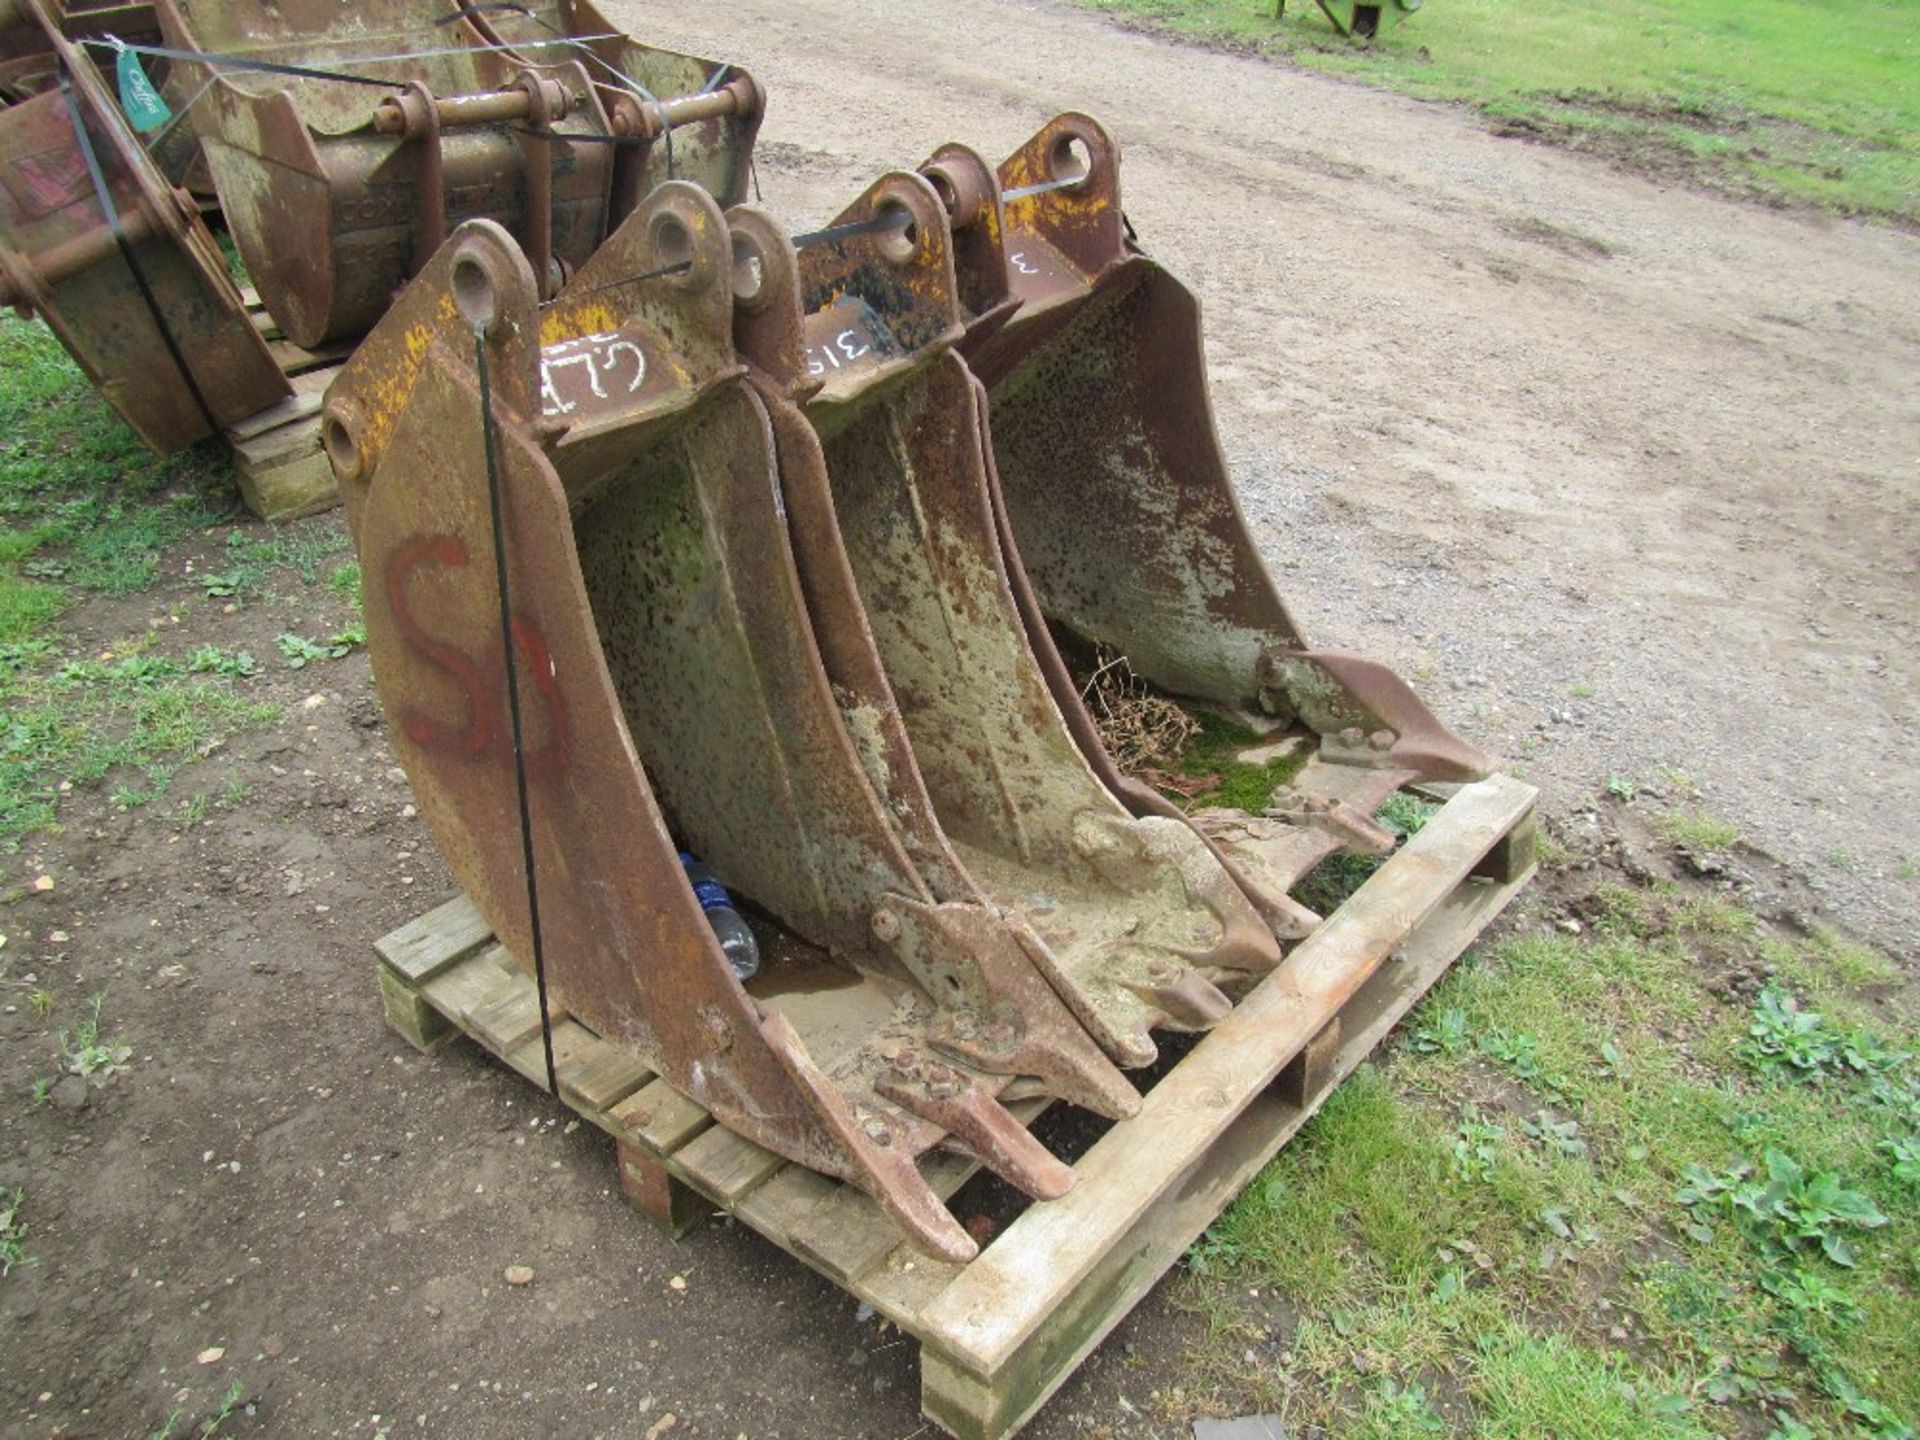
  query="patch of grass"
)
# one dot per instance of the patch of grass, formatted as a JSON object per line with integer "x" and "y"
{"x": 1808, "y": 99}
{"x": 344, "y": 581}
{"x": 1581, "y": 1205}
{"x": 254, "y": 555}
{"x": 1528, "y": 1385}
{"x": 81, "y": 500}
{"x": 26, "y": 606}
{"x": 13, "y": 1231}
{"x": 1698, "y": 831}
{"x": 130, "y": 718}
{"x": 1215, "y": 751}
{"x": 300, "y": 548}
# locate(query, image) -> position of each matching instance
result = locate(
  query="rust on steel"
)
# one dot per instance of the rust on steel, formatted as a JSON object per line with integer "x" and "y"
{"x": 59, "y": 259}
{"x": 1115, "y": 484}
{"x": 1125, "y": 531}
{"x": 337, "y": 192}
{"x": 1138, "y": 926}
{"x": 675, "y": 693}
{"x": 28, "y": 63}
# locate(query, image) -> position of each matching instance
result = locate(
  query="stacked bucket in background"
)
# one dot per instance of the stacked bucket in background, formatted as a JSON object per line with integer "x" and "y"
{"x": 681, "y": 532}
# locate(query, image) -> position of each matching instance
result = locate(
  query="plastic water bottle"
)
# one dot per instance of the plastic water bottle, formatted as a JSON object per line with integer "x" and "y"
{"x": 736, "y": 940}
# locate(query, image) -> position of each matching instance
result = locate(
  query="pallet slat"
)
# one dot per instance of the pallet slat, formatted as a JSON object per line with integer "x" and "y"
{"x": 602, "y": 1077}
{"x": 421, "y": 948}
{"x": 661, "y": 1117}
{"x": 725, "y": 1165}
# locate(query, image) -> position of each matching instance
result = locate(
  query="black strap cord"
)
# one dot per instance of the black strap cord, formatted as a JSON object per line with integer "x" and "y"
{"x": 1023, "y": 191}
{"x": 125, "y": 244}
{"x": 241, "y": 62}
{"x": 892, "y": 220}
{"x": 679, "y": 267}
{"x": 513, "y": 698}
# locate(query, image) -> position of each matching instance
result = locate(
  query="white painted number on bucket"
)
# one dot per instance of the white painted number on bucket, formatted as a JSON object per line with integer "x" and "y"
{"x": 606, "y": 359}
{"x": 847, "y": 344}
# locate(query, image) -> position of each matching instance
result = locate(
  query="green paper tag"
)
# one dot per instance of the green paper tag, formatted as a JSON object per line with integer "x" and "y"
{"x": 145, "y": 109}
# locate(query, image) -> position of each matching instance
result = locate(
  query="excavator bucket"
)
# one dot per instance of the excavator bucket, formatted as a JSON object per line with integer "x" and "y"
{"x": 119, "y": 265}
{"x": 1142, "y": 926}
{"x": 29, "y": 65}
{"x": 628, "y": 476}
{"x": 405, "y": 117}
{"x": 1119, "y": 514}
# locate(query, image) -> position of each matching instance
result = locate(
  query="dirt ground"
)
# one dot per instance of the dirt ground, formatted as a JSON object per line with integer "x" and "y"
{"x": 1623, "y": 475}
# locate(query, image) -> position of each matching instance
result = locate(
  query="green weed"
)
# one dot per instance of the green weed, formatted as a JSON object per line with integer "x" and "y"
{"x": 13, "y": 1231}
{"x": 1448, "y": 1034}
{"x": 1394, "y": 1410}
{"x": 1476, "y": 1146}
{"x": 229, "y": 1407}
{"x": 212, "y": 660}
{"x": 1783, "y": 1039}
{"x": 300, "y": 652}
{"x": 90, "y": 1054}
{"x": 1903, "y": 1161}
{"x": 1785, "y": 1210}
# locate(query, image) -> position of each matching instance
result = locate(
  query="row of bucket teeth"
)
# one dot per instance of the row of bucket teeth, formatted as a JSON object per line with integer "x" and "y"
{"x": 792, "y": 538}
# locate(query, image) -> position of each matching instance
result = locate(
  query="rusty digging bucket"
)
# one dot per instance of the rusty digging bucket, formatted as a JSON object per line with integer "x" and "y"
{"x": 1143, "y": 928}
{"x": 29, "y": 65}
{"x": 672, "y": 690}
{"x": 119, "y": 265}
{"x": 341, "y": 181}
{"x": 1118, "y": 513}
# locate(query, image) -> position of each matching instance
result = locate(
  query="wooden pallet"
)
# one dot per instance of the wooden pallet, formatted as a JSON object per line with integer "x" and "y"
{"x": 282, "y": 470}
{"x": 1000, "y": 1334}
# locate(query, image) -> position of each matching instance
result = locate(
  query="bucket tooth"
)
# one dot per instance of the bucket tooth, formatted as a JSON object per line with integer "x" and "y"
{"x": 1019, "y": 1025}
{"x": 903, "y": 434}
{"x": 178, "y": 359}
{"x": 639, "y": 499}
{"x": 1356, "y": 834}
{"x": 1189, "y": 1001}
{"x": 964, "y": 1110}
